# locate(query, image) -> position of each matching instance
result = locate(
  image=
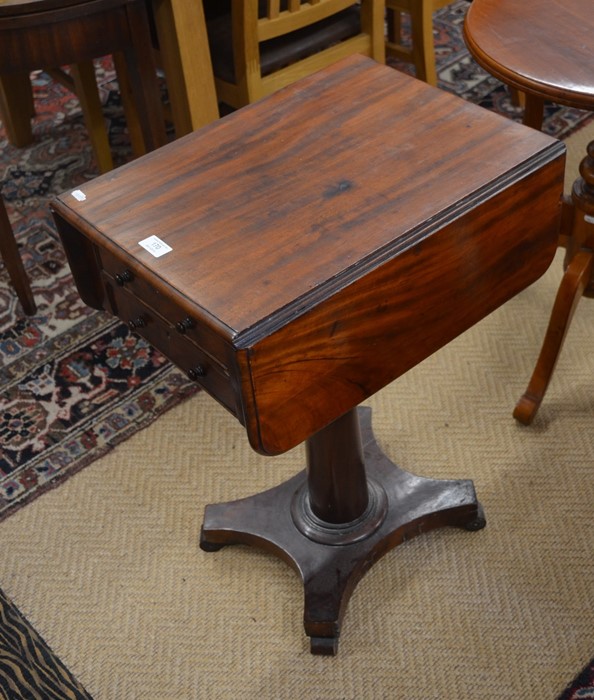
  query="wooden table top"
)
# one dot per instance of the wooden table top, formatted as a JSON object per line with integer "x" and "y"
{"x": 544, "y": 47}
{"x": 369, "y": 170}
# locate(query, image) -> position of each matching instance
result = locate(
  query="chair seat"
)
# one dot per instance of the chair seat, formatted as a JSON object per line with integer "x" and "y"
{"x": 278, "y": 53}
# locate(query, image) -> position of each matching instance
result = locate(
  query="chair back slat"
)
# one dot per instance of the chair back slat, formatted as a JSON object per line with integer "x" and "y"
{"x": 273, "y": 9}
{"x": 296, "y": 15}
{"x": 270, "y": 9}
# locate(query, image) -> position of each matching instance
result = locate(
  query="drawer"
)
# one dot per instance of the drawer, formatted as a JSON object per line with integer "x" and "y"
{"x": 200, "y": 366}
{"x": 168, "y": 306}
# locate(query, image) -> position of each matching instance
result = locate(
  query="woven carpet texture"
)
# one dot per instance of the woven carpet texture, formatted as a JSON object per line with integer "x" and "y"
{"x": 108, "y": 569}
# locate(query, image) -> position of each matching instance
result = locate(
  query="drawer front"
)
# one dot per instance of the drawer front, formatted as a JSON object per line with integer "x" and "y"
{"x": 169, "y": 308}
{"x": 213, "y": 377}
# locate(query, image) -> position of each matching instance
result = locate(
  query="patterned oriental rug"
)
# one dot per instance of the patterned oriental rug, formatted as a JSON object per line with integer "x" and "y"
{"x": 74, "y": 382}
{"x": 582, "y": 687}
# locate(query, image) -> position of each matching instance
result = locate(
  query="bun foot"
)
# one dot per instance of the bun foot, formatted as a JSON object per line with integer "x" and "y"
{"x": 478, "y": 522}
{"x": 206, "y": 546}
{"x": 324, "y": 646}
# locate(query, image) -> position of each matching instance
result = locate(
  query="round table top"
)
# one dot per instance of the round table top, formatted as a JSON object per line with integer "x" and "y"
{"x": 543, "y": 47}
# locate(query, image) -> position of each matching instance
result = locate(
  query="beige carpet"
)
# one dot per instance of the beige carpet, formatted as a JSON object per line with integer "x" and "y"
{"x": 108, "y": 569}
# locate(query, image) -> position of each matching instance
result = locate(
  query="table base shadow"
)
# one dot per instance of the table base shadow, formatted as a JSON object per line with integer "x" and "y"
{"x": 331, "y": 558}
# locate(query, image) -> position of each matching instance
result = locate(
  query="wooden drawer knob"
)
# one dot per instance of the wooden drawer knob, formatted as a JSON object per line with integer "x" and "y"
{"x": 196, "y": 372}
{"x": 138, "y": 322}
{"x": 122, "y": 277}
{"x": 185, "y": 325}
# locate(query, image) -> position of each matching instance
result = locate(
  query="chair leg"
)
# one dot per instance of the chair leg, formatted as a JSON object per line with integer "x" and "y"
{"x": 16, "y": 108}
{"x": 421, "y": 20}
{"x": 171, "y": 61}
{"x": 129, "y": 105}
{"x": 192, "y": 93}
{"x": 14, "y": 264}
{"x": 142, "y": 74}
{"x": 394, "y": 25}
{"x": 85, "y": 87}
{"x": 576, "y": 278}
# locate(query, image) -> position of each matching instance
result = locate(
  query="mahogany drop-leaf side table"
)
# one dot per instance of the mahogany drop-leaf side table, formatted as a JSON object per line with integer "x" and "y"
{"x": 297, "y": 256}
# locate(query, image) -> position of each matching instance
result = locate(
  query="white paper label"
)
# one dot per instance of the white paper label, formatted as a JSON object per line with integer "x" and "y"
{"x": 79, "y": 195}
{"x": 155, "y": 246}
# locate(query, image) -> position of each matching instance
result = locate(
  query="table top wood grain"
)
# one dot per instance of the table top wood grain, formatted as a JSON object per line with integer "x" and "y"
{"x": 346, "y": 177}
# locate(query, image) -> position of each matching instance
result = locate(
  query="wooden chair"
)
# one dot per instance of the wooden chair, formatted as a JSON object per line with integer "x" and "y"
{"x": 260, "y": 46}
{"x": 14, "y": 264}
{"x": 421, "y": 51}
{"x": 50, "y": 34}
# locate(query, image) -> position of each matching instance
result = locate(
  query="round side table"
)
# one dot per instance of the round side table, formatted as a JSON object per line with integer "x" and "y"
{"x": 545, "y": 49}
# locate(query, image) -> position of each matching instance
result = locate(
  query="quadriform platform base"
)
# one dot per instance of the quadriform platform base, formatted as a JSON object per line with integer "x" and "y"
{"x": 331, "y": 557}
{"x": 299, "y": 255}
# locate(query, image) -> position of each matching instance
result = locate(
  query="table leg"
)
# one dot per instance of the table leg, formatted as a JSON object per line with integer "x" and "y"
{"x": 577, "y": 281}
{"x": 17, "y": 108}
{"x": 533, "y": 111}
{"x": 16, "y": 271}
{"x": 334, "y": 520}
